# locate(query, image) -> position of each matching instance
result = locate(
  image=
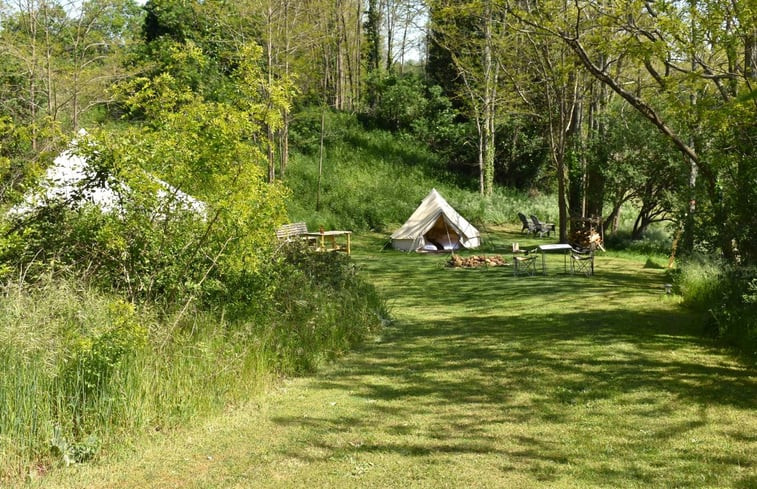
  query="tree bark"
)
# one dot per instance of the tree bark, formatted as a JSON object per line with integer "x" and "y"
{"x": 320, "y": 160}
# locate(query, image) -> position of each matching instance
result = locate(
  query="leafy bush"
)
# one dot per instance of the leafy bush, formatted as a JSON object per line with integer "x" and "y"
{"x": 84, "y": 369}
{"x": 97, "y": 351}
{"x": 154, "y": 244}
{"x": 727, "y": 296}
{"x": 323, "y": 307}
{"x": 655, "y": 241}
{"x": 124, "y": 252}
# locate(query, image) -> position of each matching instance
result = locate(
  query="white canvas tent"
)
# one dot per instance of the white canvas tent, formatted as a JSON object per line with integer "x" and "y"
{"x": 65, "y": 178}
{"x": 435, "y": 226}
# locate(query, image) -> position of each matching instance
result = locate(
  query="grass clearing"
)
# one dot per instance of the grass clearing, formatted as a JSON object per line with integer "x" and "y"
{"x": 484, "y": 380}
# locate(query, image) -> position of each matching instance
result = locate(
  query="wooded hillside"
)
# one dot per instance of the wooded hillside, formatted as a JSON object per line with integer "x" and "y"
{"x": 645, "y": 102}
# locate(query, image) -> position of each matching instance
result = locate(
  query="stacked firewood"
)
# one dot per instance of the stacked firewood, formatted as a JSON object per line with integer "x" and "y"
{"x": 476, "y": 261}
{"x": 586, "y": 238}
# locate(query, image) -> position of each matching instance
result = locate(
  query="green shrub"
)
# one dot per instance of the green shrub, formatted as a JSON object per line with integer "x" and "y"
{"x": 323, "y": 308}
{"x": 728, "y": 298}
{"x": 94, "y": 355}
{"x": 84, "y": 369}
{"x": 656, "y": 241}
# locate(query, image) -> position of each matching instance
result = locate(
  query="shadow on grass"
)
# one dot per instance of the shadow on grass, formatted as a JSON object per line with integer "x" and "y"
{"x": 579, "y": 356}
{"x": 547, "y": 371}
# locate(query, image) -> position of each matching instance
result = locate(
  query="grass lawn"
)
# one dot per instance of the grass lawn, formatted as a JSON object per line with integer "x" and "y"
{"x": 484, "y": 380}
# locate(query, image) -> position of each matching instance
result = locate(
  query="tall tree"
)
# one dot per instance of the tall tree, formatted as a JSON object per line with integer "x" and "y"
{"x": 700, "y": 48}
{"x": 476, "y": 65}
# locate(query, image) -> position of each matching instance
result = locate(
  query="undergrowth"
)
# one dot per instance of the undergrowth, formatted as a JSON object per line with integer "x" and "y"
{"x": 84, "y": 370}
{"x": 374, "y": 179}
{"x": 726, "y": 296}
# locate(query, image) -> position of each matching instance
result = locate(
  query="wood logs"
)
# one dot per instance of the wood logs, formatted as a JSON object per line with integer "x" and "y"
{"x": 586, "y": 238}
{"x": 457, "y": 261}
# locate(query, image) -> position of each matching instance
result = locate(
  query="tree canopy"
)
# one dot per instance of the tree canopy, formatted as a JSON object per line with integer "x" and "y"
{"x": 604, "y": 104}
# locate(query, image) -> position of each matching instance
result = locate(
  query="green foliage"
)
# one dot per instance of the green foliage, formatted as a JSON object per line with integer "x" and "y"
{"x": 409, "y": 105}
{"x": 735, "y": 137}
{"x": 657, "y": 240}
{"x": 59, "y": 59}
{"x": 95, "y": 354}
{"x": 76, "y": 452}
{"x": 20, "y": 162}
{"x": 63, "y": 349}
{"x": 323, "y": 307}
{"x": 644, "y": 168}
{"x": 403, "y": 101}
{"x": 193, "y": 27}
{"x": 84, "y": 370}
{"x": 157, "y": 244}
{"x": 522, "y": 155}
{"x": 374, "y": 179}
{"x": 726, "y": 295}
{"x": 364, "y": 173}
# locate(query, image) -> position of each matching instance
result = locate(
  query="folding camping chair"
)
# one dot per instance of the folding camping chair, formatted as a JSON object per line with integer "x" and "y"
{"x": 524, "y": 264}
{"x": 582, "y": 261}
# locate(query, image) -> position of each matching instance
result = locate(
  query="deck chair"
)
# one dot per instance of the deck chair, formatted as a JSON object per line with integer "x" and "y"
{"x": 524, "y": 264}
{"x": 527, "y": 225}
{"x": 582, "y": 261}
{"x": 542, "y": 227}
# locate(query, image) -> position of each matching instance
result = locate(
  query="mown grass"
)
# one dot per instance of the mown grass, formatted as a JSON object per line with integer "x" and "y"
{"x": 486, "y": 380}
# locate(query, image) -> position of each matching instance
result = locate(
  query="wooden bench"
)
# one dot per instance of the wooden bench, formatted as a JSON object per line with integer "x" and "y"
{"x": 287, "y": 232}
{"x": 296, "y": 231}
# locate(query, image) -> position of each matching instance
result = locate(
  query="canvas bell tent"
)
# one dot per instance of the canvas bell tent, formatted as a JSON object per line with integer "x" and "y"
{"x": 435, "y": 226}
{"x": 71, "y": 179}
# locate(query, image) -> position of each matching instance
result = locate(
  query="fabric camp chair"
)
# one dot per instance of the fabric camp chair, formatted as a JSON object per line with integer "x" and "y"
{"x": 582, "y": 261}
{"x": 524, "y": 264}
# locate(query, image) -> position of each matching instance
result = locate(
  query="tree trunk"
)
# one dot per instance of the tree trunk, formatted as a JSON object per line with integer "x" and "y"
{"x": 576, "y": 160}
{"x": 389, "y": 17}
{"x": 372, "y": 30}
{"x": 750, "y": 55}
{"x": 595, "y": 178}
{"x": 320, "y": 160}
{"x": 284, "y": 133}
{"x": 358, "y": 51}
{"x": 269, "y": 130}
{"x": 481, "y": 156}
{"x": 33, "y": 75}
{"x": 490, "y": 80}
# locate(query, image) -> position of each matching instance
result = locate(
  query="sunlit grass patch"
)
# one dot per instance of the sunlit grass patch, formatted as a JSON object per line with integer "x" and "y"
{"x": 482, "y": 380}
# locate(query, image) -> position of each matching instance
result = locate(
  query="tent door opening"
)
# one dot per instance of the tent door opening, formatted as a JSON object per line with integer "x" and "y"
{"x": 442, "y": 235}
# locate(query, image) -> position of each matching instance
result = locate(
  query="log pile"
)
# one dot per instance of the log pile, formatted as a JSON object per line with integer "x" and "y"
{"x": 476, "y": 261}
{"x": 586, "y": 238}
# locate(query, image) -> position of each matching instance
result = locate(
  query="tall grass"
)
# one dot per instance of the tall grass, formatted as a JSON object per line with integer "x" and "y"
{"x": 726, "y": 296}
{"x": 374, "y": 179}
{"x": 83, "y": 371}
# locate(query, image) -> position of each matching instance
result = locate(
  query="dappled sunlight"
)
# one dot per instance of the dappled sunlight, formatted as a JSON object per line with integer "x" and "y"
{"x": 482, "y": 379}
{"x": 592, "y": 379}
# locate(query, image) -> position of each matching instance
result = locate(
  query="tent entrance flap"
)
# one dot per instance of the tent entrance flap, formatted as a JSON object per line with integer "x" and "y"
{"x": 442, "y": 235}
